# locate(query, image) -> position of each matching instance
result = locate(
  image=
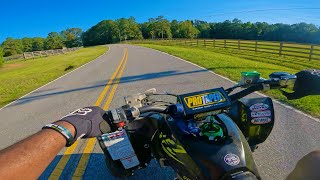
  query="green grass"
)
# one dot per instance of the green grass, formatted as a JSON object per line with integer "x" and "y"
{"x": 230, "y": 63}
{"x": 20, "y": 77}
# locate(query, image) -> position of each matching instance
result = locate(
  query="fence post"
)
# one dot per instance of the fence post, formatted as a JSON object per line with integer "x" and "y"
{"x": 24, "y": 56}
{"x": 256, "y": 46}
{"x": 239, "y": 44}
{"x": 311, "y": 52}
{"x": 225, "y": 43}
{"x": 280, "y": 49}
{"x": 214, "y": 43}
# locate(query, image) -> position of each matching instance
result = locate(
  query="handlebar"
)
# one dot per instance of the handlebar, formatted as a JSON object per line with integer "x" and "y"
{"x": 234, "y": 97}
{"x": 146, "y": 109}
{"x": 273, "y": 83}
{"x": 127, "y": 113}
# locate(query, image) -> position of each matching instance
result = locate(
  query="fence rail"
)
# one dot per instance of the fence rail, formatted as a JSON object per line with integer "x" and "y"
{"x": 37, "y": 54}
{"x": 305, "y": 51}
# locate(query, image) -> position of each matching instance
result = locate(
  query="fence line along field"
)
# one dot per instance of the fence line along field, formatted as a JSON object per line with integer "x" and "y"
{"x": 37, "y": 54}
{"x": 304, "y": 51}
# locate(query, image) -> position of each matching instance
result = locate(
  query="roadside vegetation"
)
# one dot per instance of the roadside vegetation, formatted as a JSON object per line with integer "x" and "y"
{"x": 230, "y": 63}
{"x": 69, "y": 38}
{"x": 113, "y": 31}
{"x": 1, "y": 58}
{"x": 20, "y": 77}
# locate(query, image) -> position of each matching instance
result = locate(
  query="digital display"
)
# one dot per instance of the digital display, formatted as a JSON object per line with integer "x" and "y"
{"x": 204, "y": 101}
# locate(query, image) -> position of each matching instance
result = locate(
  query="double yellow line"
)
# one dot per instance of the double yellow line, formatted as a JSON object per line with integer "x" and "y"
{"x": 115, "y": 79}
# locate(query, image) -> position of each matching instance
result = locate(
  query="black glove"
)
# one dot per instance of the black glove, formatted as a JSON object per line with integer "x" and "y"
{"x": 86, "y": 121}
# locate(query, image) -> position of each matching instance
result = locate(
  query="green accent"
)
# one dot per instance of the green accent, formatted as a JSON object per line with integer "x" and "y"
{"x": 211, "y": 129}
{"x": 250, "y": 73}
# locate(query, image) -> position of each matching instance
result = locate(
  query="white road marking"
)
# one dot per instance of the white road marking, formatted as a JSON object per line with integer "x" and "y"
{"x": 263, "y": 95}
{"x": 54, "y": 80}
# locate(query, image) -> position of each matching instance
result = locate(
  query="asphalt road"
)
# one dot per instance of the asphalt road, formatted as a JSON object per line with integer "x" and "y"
{"x": 294, "y": 134}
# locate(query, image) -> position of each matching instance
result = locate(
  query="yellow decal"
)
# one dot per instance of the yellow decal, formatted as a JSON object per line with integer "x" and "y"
{"x": 171, "y": 148}
{"x": 204, "y": 99}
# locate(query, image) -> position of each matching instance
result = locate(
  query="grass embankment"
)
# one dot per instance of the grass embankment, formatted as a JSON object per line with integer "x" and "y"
{"x": 230, "y": 63}
{"x": 20, "y": 77}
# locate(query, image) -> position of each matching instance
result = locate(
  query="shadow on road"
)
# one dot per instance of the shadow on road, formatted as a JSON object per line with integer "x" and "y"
{"x": 97, "y": 169}
{"x": 126, "y": 79}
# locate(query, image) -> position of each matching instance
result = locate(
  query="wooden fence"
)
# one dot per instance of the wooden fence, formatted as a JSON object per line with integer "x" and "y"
{"x": 305, "y": 51}
{"x": 37, "y": 54}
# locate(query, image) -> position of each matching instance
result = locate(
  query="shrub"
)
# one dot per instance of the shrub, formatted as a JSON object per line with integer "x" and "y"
{"x": 1, "y": 57}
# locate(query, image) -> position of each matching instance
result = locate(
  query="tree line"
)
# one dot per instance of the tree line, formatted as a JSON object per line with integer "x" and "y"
{"x": 70, "y": 37}
{"x": 112, "y": 31}
{"x": 109, "y": 31}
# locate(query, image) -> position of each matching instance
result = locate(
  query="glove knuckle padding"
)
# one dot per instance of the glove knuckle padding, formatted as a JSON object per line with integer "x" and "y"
{"x": 86, "y": 121}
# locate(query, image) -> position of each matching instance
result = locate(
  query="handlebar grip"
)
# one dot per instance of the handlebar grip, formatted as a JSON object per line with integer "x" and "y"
{"x": 105, "y": 127}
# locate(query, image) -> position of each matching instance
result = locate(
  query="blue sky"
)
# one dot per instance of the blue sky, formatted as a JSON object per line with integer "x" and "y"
{"x": 35, "y": 18}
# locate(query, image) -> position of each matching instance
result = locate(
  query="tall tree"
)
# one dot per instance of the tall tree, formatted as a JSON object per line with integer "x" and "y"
{"x": 38, "y": 44}
{"x": 53, "y": 41}
{"x": 203, "y": 28}
{"x": 162, "y": 27}
{"x": 187, "y": 30}
{"x": 12, "y": 46}
{"x": 104, "y": 32}
{"x": 72, "y": 37}
{"x": 27, "y": 44}
{"x": 174, "y": 25}
{"x": 128, "y": 29}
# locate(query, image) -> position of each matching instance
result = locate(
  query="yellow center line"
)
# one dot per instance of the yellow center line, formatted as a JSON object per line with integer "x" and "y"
{"x": 92, "y": 141}
{"x": 69, "y": 151}
{"x": 99, "y": 100}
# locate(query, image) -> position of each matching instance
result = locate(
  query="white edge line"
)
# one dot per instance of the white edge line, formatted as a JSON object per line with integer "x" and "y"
{"x": 276, "y": 101}
{"x": 55, "y": 79}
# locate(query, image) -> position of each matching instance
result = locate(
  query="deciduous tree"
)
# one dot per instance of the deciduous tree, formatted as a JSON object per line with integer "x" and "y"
{"x": 12, "y": 46}
{"x": 72, "y": 37}
{"x": 53, "y": 41}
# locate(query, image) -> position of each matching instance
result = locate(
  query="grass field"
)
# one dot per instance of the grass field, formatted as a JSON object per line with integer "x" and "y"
{"x": 230, "y": 63}
{"x": 19, "y": 77}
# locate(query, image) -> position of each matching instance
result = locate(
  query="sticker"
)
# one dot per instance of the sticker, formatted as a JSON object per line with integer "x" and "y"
{"x": 204, "y": 99}
{"x": 260, "y": 113}
{"x": 118, "y": 144}
{"x": 231, "y": 159}
{"x": 259, "y": 107}
{"x": 261, "y": 120}
{"x": 130, "y": 162}
{"x": 204, "y": 115}
{"x": 81, "y": 112}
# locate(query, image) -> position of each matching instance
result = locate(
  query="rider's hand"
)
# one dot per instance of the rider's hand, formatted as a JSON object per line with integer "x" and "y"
{"x": 86, "y": 121}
